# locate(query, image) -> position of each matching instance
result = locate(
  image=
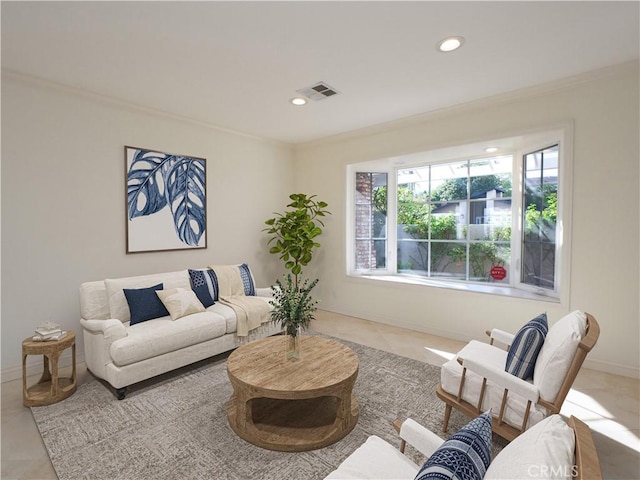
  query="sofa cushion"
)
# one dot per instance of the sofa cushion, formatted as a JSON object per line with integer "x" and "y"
{"x": 180, "y": 302}
{"x": 495, "y": 357}
{"x": 465, "y": 456}
{"x": 118, "y": 306}
{"x": 144, "y": 304}
{"x": 205, "y": 283}
{"x": 543, "y": 451}
{"x": 375, "y": 459}
{"x": 523, "y": 352}
{"x": 162, "y": 335}
{"x": 557, "y": 353}
{"x": 229, "y": 315}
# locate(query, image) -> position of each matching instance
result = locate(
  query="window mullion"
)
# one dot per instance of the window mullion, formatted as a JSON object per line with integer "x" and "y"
{"x": 392, "y": 222}
{"x": 516, "y": 217}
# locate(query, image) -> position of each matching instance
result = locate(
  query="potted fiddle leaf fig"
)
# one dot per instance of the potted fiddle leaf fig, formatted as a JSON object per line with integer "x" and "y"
{"x": 293, "y": 237}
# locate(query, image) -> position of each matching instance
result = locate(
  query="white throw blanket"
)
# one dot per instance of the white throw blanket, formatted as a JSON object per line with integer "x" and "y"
{"x": 251, "y": 312}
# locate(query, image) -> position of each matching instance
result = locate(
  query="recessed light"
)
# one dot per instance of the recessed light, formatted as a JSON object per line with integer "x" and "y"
{"x": 450, "y": 44}
{"x": 491, "y": 149}
{"x": 298, "y": 101}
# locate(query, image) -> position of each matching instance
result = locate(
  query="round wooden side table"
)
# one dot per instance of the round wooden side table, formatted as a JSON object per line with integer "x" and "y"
{"x": 49, "y": 389}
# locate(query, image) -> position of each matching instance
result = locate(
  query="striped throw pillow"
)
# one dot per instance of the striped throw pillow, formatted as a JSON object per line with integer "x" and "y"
{"x": 523, "y": 352}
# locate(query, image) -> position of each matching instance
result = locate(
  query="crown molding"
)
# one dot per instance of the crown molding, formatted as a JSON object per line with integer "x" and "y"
{"x": 45, "y": 84}
{"x": 493, "y": 100}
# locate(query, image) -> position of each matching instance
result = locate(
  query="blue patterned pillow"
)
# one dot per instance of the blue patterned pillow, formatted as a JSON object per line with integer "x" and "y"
{"x": 465, "y": 456}
{"x": 247, "y": 280}
{"x": 205, "y": 285}
{"x": 526, "y": 345}
{"x": 144, "y": 304}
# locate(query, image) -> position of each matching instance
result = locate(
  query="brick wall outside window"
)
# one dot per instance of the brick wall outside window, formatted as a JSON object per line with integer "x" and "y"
{"x": 365, "y": 252}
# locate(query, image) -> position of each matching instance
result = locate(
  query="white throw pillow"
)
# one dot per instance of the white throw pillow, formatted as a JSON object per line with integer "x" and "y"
{"x": 557, "y": 353}
{"x": 180, "y": 302}
{"x": 543, "y": 451}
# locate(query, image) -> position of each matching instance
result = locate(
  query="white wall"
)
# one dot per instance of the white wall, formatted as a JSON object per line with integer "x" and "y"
{"x": 605, "y": 240}
{"x": 63, "y": 201}
{"x": 63, "y": 208}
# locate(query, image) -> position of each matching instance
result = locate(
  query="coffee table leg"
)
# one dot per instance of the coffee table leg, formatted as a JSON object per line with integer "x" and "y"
{"x": 242, "y": 410}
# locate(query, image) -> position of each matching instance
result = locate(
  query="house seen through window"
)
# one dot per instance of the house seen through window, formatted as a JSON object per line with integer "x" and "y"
{"x": 483, "y": 220}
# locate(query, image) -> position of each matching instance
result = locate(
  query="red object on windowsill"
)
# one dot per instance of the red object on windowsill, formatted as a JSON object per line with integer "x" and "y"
{"x": 498, "y": 273}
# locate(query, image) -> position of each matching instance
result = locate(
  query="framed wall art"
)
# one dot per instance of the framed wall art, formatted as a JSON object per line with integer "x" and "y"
{"x": 166, "y": 201}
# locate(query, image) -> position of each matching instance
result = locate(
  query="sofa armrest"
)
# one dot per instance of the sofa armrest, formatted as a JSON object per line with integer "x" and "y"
{"x": 264, "y": 292}
{"x": 419, "y": 437}
{"x": 98, "y": 336}
{"x": 111, "y": 328}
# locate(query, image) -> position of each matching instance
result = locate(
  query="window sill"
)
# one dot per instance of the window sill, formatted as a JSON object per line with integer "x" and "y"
{"x": 491, "y": 289}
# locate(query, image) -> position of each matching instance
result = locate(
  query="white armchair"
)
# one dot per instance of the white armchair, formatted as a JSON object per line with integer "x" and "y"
{"x": 476, "y": 380}
{"x": 552, "y": 446}
{"x": 377, "y": 459}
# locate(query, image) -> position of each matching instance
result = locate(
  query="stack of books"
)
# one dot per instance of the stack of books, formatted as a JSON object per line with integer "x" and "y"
{"x": 48, "y": 331}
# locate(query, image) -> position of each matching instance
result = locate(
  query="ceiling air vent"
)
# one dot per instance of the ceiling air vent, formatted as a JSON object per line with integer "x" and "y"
{"x": 319, "y": 91}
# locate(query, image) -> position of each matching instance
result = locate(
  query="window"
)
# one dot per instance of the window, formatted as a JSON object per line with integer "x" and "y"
{"x": 454, "y": 219}
{"x": 488, "y": 220}
{"x": 540, "y": 218}
{"x": 371, "y": 221}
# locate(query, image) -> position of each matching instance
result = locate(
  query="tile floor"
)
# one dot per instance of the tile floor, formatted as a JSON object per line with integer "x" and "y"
{"x": 609, "y": 404}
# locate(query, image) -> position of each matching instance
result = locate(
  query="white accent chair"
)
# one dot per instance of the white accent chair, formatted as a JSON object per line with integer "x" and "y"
{"x": 475, "y": 380}
{"x": 551, "y": 446}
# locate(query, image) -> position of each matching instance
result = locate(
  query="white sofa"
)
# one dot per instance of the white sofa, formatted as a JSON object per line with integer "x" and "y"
{"x": 124, "y": 354}
{"x": 550, "y": 449}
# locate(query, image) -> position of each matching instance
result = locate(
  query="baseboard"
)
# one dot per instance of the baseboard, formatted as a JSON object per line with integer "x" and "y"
{"x": 34, "y": 366}
{"x": 613, "y": 368}
{"x": 593, "y": 364}
{"x": 454, "y": 335}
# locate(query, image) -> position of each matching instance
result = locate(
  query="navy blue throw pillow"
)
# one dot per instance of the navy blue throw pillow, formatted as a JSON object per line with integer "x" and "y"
{"x": 144, "y": 304}
{"x": 465, "y": 456}
{"x": 205, "y": 285}
{"x": 523, "y": 352}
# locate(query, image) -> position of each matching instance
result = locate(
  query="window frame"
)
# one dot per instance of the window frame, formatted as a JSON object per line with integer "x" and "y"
{"x": 521, "y": 144}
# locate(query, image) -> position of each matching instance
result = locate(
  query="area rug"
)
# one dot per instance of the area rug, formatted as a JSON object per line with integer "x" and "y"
{"x": 175, "y": 426}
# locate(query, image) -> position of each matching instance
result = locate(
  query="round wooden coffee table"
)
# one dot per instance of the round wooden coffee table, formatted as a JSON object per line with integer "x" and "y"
{"x": 293, "y": 405}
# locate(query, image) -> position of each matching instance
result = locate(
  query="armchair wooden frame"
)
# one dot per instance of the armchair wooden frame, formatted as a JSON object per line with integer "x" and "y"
{"x": 586, "y": 461}
{"x": 499, "y": 426}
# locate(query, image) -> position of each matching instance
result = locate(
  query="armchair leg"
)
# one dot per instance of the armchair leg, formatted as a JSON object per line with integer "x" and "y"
{"x": 447, "y": 414}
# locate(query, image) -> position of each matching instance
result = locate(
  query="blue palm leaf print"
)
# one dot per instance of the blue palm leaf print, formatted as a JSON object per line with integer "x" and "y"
{"x": 186, "y": 197}
{"x": 155, "y": 180}
{"x": 145, "y": 183}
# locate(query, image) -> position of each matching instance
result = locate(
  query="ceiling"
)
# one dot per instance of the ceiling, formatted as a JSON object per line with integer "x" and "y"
{"x": 235, "y": 65}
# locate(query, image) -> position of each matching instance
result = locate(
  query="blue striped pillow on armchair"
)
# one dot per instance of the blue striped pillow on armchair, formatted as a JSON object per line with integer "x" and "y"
{"x": 523, "y": 352}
